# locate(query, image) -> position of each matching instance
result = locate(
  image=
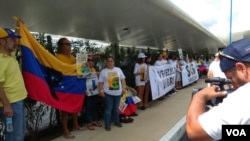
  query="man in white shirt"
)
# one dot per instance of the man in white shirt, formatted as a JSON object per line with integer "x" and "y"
{"x": 214, "y": 68}
{"x": 234, "y": 110}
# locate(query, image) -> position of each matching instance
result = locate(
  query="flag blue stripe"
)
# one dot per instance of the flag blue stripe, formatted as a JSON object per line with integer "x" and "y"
{"x": 69, "y": 84}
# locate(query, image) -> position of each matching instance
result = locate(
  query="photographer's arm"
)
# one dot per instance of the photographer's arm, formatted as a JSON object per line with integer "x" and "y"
{"x": 193, "y": 128}
{"x": 196, "y": 108}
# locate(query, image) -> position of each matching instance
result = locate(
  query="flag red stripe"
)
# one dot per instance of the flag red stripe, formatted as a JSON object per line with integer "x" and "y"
{"x": 39, "y": 90}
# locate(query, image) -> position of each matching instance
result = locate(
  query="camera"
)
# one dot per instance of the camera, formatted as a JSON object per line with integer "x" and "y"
{"x": 224, "y": 85}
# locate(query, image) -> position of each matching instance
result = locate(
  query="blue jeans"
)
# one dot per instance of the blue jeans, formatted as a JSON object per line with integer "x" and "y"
{"x": 91, "y": 108}
{"x": 19, "y": 125}
{"x": 111, "y": 106}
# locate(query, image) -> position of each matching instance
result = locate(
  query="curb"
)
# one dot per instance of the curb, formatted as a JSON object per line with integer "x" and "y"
{"x": 176, "y": 132}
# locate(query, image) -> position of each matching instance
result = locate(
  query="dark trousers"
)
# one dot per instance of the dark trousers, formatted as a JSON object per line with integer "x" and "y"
{"x": 91, "y": 108}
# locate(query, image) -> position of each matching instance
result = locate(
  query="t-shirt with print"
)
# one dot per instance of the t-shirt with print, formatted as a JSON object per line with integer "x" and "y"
{"x": 142, "y": 78}
{"x": 111, "y": 79}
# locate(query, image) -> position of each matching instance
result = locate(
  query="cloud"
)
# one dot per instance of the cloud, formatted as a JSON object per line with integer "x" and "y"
{"x": 215, "y": 14}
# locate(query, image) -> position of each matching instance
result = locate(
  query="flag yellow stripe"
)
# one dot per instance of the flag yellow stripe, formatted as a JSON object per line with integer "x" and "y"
{"x": 43, "y": 56}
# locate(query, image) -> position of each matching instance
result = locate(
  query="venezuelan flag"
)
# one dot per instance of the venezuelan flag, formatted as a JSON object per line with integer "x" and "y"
{"x": 47, "y": 79}
{"x": 131, "y": 107}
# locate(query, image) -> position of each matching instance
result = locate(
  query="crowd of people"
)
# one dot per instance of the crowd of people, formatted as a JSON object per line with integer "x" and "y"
{"x": 110, "y": 84}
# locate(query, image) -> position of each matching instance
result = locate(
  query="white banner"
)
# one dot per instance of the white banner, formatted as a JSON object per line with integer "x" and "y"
{"x": 162, "y": 79}
{"x": 189, "y": 74}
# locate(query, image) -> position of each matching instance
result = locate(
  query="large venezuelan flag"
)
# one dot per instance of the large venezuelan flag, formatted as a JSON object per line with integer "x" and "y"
{"x": 47, "y": 79}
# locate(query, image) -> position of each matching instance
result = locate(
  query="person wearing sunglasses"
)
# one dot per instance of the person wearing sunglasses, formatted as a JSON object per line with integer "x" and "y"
{"x": 91, "y": 99}
{"x": 64, "y": 54}
{"x": 234, "y": 109}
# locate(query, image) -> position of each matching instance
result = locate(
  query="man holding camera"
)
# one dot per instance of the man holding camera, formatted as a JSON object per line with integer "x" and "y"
{"x": 235, "y": 108}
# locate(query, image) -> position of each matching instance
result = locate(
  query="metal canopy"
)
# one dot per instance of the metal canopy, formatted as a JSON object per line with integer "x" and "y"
{"x": 149, "y": 23}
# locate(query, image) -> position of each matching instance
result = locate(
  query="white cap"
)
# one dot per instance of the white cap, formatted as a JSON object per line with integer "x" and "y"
{"x": 217, "y": 54}
{"x": 141, "y": 55}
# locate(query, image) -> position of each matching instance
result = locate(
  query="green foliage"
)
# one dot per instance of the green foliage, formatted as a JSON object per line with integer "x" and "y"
{"x": 91, "y": 48}
{"x": 48, "y": 45}
{"x": 40, "y": 37}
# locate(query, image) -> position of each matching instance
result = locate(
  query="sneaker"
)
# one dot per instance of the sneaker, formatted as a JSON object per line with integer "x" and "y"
{"x": 134, "y": 114}
{"x": 118, "y": 124}
{"x": 128, "y": 120}
{"x": 142, "y": 108}
{"x": 107, "y": 128}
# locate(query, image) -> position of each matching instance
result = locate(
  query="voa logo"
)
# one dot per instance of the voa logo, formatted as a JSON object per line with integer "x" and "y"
{"x": 236, "y": 132}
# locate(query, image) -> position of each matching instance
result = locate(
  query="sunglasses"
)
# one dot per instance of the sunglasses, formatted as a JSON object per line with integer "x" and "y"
{"x": 67, "y": 44}
{"x": 221, "y": 54}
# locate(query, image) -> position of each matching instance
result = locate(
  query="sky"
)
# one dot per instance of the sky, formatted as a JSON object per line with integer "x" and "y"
{"x": 214, "y": 15}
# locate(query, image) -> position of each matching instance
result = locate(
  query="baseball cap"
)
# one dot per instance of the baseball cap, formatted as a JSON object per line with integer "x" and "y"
{"x": 141, "y": 55}
{"x": 238, "y": 51}
{"x": 6, "y": 32}
{"x": 164, "y": 53}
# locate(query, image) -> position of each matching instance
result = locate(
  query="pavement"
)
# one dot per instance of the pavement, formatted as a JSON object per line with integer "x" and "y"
{"x": 160, "y": 122}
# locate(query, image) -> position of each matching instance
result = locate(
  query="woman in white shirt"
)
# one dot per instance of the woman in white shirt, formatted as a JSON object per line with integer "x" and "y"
{"x": 112, "y": 85}
{"x": 140, "y": 72}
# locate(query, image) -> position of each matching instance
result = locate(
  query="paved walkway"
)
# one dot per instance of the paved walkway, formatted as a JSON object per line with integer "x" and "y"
{"x": 150, "y": 124}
